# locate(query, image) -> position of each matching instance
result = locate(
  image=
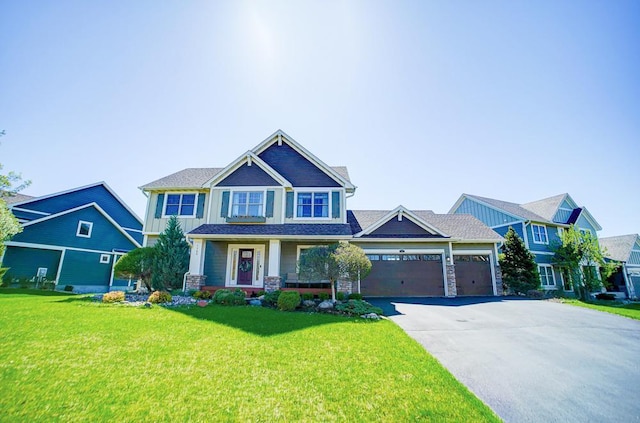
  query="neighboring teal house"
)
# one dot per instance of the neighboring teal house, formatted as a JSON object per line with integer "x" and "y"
{"x": 538, "y": 223}
{"x": 72, "y": 237}
{"x": 624, "y": 249}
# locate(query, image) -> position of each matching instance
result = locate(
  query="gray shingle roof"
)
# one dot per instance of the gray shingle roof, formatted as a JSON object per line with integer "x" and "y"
{"x": 547, "y": 207}
{"x": 618, "y": 247}
{"x": 15, "y": 198}
{"x": 511, "y": 208}
{"x": 196, "y": 178}
{"x": 297, "y": 229}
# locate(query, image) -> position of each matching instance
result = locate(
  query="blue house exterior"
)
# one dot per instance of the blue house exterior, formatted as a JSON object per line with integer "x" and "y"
{"x": 538, "y": 223}
{"x": 73, "y": 238}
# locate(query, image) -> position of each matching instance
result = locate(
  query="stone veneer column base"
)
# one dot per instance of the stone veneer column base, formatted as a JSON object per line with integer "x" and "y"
{"x": 499, "y": 287}
{"x": 451, "y": 280}
{"x": 271, "y": 283}
{"x": 344, "y": 286}
{"x": 194, "y": 282}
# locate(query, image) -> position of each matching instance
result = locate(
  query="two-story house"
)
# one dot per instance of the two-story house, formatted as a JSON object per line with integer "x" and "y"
{"x": 72, "y": 237}
{"x": 624, "y": 249}
{"x": 538, "y": 223}
{"x": 249, "y": 222}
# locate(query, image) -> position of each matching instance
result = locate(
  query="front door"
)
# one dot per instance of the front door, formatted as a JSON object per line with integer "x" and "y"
{"x": 245, "y": 267}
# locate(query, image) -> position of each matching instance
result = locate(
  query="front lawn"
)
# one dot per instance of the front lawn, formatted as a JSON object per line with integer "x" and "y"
{"x": 631, "y": 310}
{"x": 64, "y": 358}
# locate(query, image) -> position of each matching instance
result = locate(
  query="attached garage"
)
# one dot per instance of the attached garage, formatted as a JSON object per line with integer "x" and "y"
{"x": 473, "y": 274}
{"x": 404, "y": 275}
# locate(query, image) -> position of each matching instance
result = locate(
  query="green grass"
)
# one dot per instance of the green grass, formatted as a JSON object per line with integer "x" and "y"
{"x": 63, "y": 358}
{"x": 631, "y": 310}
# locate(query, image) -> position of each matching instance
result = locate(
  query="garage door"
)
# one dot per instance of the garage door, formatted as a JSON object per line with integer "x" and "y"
{"x": 473, "y": 275}
{"x": 404, "y": 275}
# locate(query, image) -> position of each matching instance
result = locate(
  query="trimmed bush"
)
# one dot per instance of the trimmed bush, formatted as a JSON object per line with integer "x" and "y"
{"x": 288, "y": 300}
{"x": 158, "y": 297}
{"x": 358, "y": 308}
{"x": 202, "y": 295}
{"x": 113, "y": 297}
{"x": 226, "y": 297}
{"x": 307, "y": 296}
{"x": 271, "y": 298}
{"x": 606, "y": 296}
{"x": 355, "y": 296}
{"x": 340, "y": 296}
{"x": 324, "y": 296}
{"x": 68, "y": 288}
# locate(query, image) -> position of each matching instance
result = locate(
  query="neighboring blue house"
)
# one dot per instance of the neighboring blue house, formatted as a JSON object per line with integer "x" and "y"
{"x": 624, "y": 249}
{"x": 538, "y": 223}
{"x": 72, "y": 237}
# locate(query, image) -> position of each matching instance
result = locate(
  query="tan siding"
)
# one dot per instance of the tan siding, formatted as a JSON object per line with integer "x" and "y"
{"x": 154, "y": 225}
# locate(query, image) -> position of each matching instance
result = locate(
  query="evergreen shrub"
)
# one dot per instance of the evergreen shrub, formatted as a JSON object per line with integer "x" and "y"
{"x": 289, "y": 300}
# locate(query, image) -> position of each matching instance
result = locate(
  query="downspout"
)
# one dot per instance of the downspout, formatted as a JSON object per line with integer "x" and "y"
{"x": 184, "y": 281}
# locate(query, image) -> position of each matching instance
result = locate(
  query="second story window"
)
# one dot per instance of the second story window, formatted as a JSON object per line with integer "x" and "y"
{"x": 247, "y": 203}
{"x": 180, "y": 205}
{"x": 313, "y": 204}
{"x": 539, "y": 234}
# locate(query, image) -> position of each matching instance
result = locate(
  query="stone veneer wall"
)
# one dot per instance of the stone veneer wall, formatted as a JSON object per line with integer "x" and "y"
{"x": 499, "y": 288}
{"x": 195, "y": 282}
{"x": 451, "y": 280}
{"x": 344, "y": 286}
{"x": 271, "y": 283}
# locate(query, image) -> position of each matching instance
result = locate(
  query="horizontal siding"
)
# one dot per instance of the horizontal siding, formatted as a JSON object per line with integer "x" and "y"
{"x": 215, "y": 263}
{"x": 81, "y": 268}
{"x": 295, "y": 167}
{"x": 583, "y": 223}
{"x": 62, "y": 231}
{"x": 24, "y": 262}
{"x": 487, "y": 215}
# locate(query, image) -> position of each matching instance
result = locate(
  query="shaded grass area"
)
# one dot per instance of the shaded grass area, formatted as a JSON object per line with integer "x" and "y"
{"x": 69, "y": 359}
{"x": 631, "y": 310}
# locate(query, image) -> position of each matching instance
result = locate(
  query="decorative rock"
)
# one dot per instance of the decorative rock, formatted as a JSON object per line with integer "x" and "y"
{"x": 325, "y": 305}
{"x": 255, "y": 303}
{"x": 371, "y": 316}
{"x": 202, "y": 303}
{"x": 147, "y": 305}
{"x": 309, "y": 303}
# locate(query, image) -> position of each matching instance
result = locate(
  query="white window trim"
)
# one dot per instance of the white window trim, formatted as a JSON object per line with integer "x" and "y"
{"x": 257, "y": 280}
{"x": 553, "y": 277}
{"x": 546, "y": 235}
{"x": 105, "y": 258}
{"x": 312, "y": 190}
{"x": 180, "y": 193}
{"x": 248, "y": 190}
{"x": 80, "y": 223}
{"x": 562, "y": 281}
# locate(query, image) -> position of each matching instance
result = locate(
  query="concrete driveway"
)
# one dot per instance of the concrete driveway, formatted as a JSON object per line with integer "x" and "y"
{"x": 532, "y": 361}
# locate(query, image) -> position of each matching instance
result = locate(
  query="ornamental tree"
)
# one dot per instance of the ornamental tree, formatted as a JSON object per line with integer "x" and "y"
{"x": 137, "y": 264}
{"x": 10, "y": 184}
{"x": 519, "y": 269}
{"x": 172, "y": 257}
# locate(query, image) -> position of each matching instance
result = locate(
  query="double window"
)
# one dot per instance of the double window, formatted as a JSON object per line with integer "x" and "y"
{"x": 547, "y": 279}
{"x": 247, "y": 204}
{"x": 312, "y": 204}
{"x": 180, "y": 205}
{"x": 539, "y": 234}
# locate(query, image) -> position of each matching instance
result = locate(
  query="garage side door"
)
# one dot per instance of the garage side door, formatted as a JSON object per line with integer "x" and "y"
{"x": 473, "y": 275}
{"x": 404, "y": 275}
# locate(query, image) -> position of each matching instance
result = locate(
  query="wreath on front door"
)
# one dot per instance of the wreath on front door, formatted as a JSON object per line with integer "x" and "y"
{"x": 245, "y": 266}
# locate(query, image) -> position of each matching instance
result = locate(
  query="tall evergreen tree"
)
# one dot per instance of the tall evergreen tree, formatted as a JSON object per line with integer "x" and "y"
{"x": 519, "y": 269}
{"x": 172, "y": 257}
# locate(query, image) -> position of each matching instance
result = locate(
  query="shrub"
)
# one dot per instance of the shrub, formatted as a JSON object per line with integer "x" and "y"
{"x": 324, "y": 296}
{"x": 358, "y": 308}
{"x": 202, "y": 295}
{"x": 340, "y": 296}
{"x": 48, "y": 285}
{"x": 355, "y": 296}
{"x": 113, "y": 297}
{"x": 226, "y": 297}
{"x": 534, "y": 293}
{"x": 68, "y": 288}
{"x": 307, "y": 296}
{"x": 271, "y": 298}
{"x": 605, "y": 296}
{"x": 158, "y": 297}
{"x": 288, "y": 300}
{"x": 24, "y": 283}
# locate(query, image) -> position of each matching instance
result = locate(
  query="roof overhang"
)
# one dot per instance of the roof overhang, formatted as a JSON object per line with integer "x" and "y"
{"x": 249, "y": 158}
{"x": 400, "y": 213}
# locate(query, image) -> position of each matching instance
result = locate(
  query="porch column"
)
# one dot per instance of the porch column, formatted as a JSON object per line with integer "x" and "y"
{"x": 272, "y": 280}
{"x": 196, "y": 259}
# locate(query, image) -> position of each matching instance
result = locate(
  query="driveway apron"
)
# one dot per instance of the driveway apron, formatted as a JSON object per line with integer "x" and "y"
{"x": 531, "y": 361}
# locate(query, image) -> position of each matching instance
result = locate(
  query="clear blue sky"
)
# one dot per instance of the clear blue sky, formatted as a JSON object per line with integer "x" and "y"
{"x": 421, "y": 100}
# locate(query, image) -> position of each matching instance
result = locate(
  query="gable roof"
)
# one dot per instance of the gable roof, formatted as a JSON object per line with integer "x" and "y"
{"x": 547, "y": 207}
{"x": 12, "y": 198}
{"x": 619, "y": 247}
{"x": 250, "y": 159}
{"x": 193, "y": 178}
{"x": 513, "y": 209}
{"x": 400, "y": 213}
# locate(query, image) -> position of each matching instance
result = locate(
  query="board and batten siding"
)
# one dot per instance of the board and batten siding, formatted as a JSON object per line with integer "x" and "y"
{"x": 219, "y": 217}
{"x": 486, "y": 215}
{"x": 158, "y": 225}
{"x": 215, "y": 262}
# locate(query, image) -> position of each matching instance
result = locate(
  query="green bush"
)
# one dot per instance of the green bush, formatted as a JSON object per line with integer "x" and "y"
{"x": 355, "y": 296}
{"x": 271, "y": 298}
{"x": 288, "y": 300}
{"x": 48, "y": 285}
{"x": 324, "y": 296}
{"x": 158, "y": 297}
{"x": 202, "y": 295}
{"x": 113, "y": 297}
{"x": 68, "y": 288}
{"x": 307, "y": 296}
{"x": 358, "y": 308}
{"x": 226, "y": 297}
{"x": 24, "y": 283}
{"x": 340, "y": 296}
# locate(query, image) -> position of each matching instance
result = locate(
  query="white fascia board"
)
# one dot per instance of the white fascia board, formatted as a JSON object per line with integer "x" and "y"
{"x": 306, "y": 153}
{"x": 247, "y": 157}
{"x": 405, "y": 213}
{"x": 97, "y": 207}
{"x": 28, "y": 211}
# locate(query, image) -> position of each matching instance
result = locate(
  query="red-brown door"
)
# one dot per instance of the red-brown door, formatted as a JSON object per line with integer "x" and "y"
{"x": 245, "y": 267}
